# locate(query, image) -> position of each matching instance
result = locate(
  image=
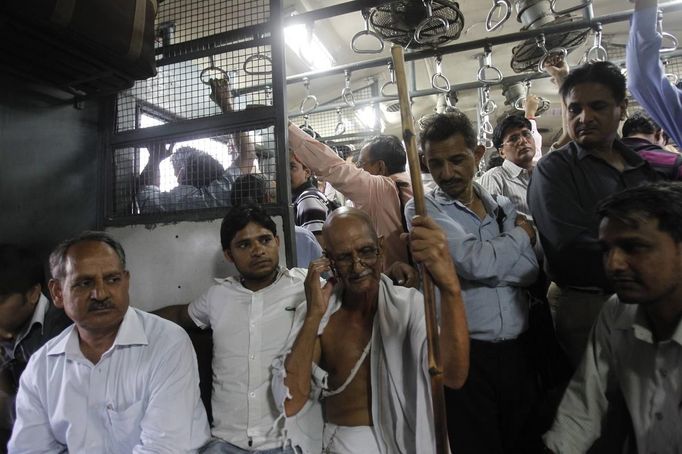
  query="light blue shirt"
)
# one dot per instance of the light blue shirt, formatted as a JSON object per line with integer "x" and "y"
{"x": 141, "y": 397}
{"x": 646, "y": 78}
{"x": 493, "y": 266}
{"x": 307, "y": 247}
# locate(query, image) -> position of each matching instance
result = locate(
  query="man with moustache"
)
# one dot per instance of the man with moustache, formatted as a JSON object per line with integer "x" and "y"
{"x": 119, "y": 380}
{"x": 635, "y": 346}
{"x": 566, "y": 187}
{"x": 491, "y": 246}
{"x": 361, "y": 341}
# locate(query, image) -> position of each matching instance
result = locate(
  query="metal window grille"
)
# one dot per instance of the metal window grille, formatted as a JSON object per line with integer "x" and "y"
{"x": 195, "y": 173}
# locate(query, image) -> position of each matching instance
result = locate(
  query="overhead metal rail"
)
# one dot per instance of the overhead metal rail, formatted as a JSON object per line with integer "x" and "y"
{"x": 509, "y": 80}
{"x": 672, "y": 6}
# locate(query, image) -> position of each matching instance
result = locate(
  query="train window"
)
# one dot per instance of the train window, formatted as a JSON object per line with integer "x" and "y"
{"x": 196, "y": 173}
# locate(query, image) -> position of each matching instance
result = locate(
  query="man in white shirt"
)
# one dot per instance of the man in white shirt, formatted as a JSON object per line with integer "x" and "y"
{"x": 119, "y": 380}
{"x": 251, "y": 316}
{"x": 513, "y": 138}
{"x": 635, "y": 347}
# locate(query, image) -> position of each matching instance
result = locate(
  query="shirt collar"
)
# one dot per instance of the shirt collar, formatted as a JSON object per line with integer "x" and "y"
{"x": 444, "y": 199}
{"x": 512, "y": 169}
{"x": 37, "y": 318}
{"x": 641, "y": 328}
{"x": 232, "y": 281}
{"x": 131, "y": 332}
{"x": 632, "y": 159}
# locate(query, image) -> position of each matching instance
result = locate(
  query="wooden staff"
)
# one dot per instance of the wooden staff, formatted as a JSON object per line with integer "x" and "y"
{"x": 432, "y": 338}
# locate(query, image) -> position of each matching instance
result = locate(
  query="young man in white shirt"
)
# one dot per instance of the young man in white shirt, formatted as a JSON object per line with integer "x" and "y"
{"x": 635, "y": 347}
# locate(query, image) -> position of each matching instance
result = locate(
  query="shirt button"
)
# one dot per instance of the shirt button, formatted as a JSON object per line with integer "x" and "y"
{"x": 659, "y": 416}
{"x": 253, "y": 324}
{"x": 252, "y": 394}
{"x": 664, "y": 373}
{"x": 252, "y": 357}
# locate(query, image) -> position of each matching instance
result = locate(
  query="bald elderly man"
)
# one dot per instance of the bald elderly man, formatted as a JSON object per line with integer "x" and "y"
{"x": 360, "y": 345}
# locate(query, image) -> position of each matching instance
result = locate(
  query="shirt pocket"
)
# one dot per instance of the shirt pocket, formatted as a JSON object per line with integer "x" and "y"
{"x": 124, "y": 427}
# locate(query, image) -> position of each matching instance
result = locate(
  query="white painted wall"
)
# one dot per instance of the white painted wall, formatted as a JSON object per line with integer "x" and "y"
{"x": 175, "y": 263}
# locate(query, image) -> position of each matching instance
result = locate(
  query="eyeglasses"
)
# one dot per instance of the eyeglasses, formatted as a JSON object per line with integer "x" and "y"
{"x": 367, "y": 256}
{"x": 514, "y": 138}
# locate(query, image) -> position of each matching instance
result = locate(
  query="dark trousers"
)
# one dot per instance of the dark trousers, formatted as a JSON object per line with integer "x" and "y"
{"x": 491, "y": 413}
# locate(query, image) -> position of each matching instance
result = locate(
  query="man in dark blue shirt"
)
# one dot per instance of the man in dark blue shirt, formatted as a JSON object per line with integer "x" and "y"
{"x": 565, "y": 189}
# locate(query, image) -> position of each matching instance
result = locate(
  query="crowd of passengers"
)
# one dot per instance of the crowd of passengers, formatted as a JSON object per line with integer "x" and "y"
{"x": 558, "y": 294}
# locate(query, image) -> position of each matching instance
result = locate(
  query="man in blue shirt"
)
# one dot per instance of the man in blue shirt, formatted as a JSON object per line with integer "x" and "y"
{"x": 492, "y": 247}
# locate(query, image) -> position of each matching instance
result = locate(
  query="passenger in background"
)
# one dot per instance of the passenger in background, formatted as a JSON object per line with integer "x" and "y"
{"x": 646, "y": 78}
{"x": 119, "y": 379}
{"x": 645, "y": 137}
{"x": 27, "y": 320}
{"x": 514, "y": 140}
{"x": 202, "y": 180}
{"x": 492, "y": 248}
{"x": 251, "y": 189}
{"x": 311, "y": 206}
{"x": 360, "y": 342}
{"x": 635, "y": 347}
{"x": 565, "y": 189}
{"x": 378, "y": 185}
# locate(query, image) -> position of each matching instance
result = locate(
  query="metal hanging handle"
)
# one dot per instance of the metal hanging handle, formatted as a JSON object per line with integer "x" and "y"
{"x": 347, "y": 92}
{"x": 552, "y": 6}
{"x": 438, "y": 80}
{"x": 256, "y": 58}
{"x": 544, "y": 106}
{"x": 520, "y": 102}
{"x": 487, "y": 65}
{"x": 483, "y": 138}
{"x": 310, "y": 102}
{"x": 597, "y": 52}
{"x": 540, "y": 41}
{"x": 340, "y": 126}
{"x": 212, "y": 67}
{"x": 391, "y": 82}
{"x": 366, "y": 32}
{"x": 430, "y": 23}
{"x": 665, "y": 35}
{"x": 488, "y": 106}
{"x": 497, "y": 4}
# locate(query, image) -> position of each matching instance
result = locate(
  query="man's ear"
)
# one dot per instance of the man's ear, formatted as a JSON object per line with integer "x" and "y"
{"x": 479, "y": 151}
{"x": 422, "y": 163}
{"x": 624, "y": 110}
{"x": 33, "y": 294}
{"x": 383, "y": 169}
{"x": 56, "y": 291}
{"x": 228, "y": 256}
{"x": 380, "y": 245}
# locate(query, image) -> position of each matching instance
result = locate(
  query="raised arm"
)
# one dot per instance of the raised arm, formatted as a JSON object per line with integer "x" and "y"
{"x": 429, "y": 247}
{"x": 151, "y": 174}
{"x": 354, "y": 183}
{"x": 557, "y": 67}
{"x": 221, "y": 95}
{"x": 306, "y": 349}
{"x": 646, "y": 79}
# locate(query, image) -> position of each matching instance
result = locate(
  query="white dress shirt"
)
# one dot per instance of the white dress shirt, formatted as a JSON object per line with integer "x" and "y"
{"x": 622, "y": 355}
{"x": 249, "y": 330}
{"x": 141, "y": 397}
{"x": 510, "y": 181}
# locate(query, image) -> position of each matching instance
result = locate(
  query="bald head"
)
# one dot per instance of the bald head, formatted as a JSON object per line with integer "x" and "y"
{"x": 342, "y": 217}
